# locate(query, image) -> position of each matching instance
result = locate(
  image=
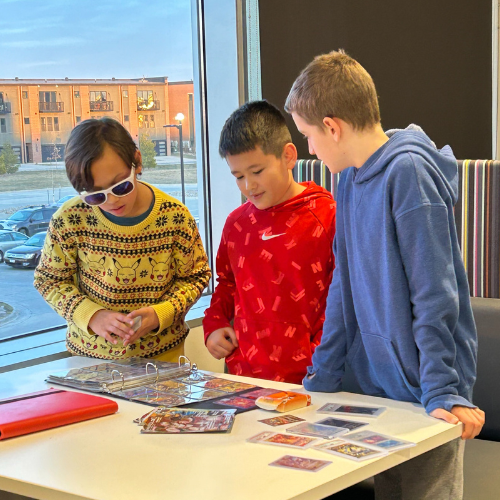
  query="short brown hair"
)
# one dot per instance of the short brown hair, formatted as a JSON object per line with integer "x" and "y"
{"x": 86, "y": 144}
{"x": 335, "y": 85}
{"x": 256, "y": 123}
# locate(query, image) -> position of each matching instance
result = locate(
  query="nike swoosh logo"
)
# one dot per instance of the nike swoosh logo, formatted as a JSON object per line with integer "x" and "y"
{"x": 266, "y": 236}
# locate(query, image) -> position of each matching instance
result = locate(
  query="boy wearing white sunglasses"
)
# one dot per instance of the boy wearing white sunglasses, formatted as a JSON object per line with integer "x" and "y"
{"x": 123, "y": 262}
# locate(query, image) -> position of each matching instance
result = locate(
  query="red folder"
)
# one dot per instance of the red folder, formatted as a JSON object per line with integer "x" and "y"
{"x": 50, "y": 408}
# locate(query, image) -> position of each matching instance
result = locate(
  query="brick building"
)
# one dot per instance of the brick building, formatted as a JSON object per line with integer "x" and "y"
{"x": 36, "y": 115}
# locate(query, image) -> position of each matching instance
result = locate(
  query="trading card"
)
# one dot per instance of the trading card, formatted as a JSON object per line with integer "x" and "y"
{"x": 142, "y": 420}
{"x": 300, "y": 463}
{"x": 161, "y": 398}
{"x": 260, "y": 392}
{"x": 278, "y": 439}
{"x": 381, "y": 441}
{"x": 213, "y": 384}
{"x": 353, "y": 451}
{"x": 355, "y": 411}
{"x": 137, "y": 322}
{"x": 281, "y": 420}
{"x": 239, "y": 402}
{"x": 202, "y": 395}
{"x": 235, "y": 387}
{"x": 351, "y": 425}
{"x": 168, "y": 385}
{"x": 321, "y": 431}
{"x": 178, "y": 420}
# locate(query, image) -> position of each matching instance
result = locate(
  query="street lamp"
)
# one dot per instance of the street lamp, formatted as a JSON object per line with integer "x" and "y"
{"x": 179, "y": 117}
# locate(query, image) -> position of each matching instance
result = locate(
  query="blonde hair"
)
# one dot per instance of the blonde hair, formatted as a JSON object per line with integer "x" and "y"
{"x": 335, "y": 85}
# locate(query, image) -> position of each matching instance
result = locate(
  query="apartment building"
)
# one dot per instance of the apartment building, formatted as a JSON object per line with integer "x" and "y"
{"x": 36, "y": 115}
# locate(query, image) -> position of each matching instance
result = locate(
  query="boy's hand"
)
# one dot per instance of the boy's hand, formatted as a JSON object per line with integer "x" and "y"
{"x": 110, "y": 324}
{"x": 149, "y": 322}
{"x": 471, "y": 418}
{"x": 222, "y": 342}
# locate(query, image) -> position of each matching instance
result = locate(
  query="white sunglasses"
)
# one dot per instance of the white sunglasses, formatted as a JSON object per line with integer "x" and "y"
{"x": 122, "y": 188}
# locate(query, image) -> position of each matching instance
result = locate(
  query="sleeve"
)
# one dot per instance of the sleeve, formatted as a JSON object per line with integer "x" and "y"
{"x": 56, "y": 276}
{"x": 192, "y": 277}
{"x": 328, "y": 220}
{"x": 221, "y": 310}
{"x": 328, "y": 360}
{"x": 426, "y": 250}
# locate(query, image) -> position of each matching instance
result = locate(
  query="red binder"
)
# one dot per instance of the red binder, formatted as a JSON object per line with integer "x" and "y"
{"x": 50, "y": 408}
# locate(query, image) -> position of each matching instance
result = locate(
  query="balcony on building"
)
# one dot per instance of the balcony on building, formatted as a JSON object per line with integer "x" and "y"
{"x": 51, "y": 107}
{"x": 4, "y": 108}
{"x": 101, "y": 105}
{"x": 148, "y": 105}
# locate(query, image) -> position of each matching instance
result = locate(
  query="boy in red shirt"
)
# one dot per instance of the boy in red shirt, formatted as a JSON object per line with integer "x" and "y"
{"x": 275, "y": 259}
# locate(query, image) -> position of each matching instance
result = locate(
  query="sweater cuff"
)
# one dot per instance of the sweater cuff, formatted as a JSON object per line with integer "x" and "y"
{"x": 166, "y": 313}
{"x": 447, "y": 402}
{"x": 84, "y": 312}
{"x": 317, "y": 380}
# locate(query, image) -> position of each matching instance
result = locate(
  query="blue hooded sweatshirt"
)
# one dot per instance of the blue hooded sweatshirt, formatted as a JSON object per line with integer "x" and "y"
{"x": 398, "y": 310}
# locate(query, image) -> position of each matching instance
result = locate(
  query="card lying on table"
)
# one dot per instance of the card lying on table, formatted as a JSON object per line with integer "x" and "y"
{"x": 164, "y": 420}
{"x": 353, "y": 411}
{"x": 50, "y": 408}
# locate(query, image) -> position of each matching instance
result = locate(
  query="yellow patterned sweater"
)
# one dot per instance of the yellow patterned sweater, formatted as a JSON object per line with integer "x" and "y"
{"x": 88, "y": 263}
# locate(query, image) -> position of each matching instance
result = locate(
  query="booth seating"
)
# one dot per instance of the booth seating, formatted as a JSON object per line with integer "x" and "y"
{"x": 477, "y": 216}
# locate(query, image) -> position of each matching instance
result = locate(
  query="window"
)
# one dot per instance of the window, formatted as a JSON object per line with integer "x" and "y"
{"x": 136, "y": 102}
{"x": 97, "y": 96}
{"x": 26, "y": 120}
{"x": 25, "y": 94}
{"x": 47, "y": 96}
{"x": 37, "y": 216}
{"x": 18, "y": 236}
{"x": 5, "y": 237}
{"x": 145, "y": 99}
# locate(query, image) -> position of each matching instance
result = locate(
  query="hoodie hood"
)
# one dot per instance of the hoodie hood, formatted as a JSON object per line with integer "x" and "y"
{"x": 413, "y": 140}
{"x": 312, "y": 192}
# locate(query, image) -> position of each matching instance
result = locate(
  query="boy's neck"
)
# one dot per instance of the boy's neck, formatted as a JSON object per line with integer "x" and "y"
{"x": 364, "y": 143}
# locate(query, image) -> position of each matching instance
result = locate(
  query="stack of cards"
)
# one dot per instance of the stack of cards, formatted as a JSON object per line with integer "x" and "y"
{"x": 353, "y": 411}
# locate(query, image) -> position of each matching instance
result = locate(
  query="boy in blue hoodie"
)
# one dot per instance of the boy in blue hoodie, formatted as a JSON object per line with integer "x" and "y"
{"x": 398, "y": 310}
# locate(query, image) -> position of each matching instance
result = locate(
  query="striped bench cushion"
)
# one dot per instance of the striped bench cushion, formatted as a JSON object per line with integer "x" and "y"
{"x": 477, "y": 217}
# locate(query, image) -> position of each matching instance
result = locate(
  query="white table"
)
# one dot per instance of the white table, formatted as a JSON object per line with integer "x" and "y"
{"x": 108, "y": 459}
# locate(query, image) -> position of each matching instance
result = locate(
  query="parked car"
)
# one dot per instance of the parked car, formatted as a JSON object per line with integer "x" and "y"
{"x": 62, "y": 200}
{"x": 30, "y": 220}
{"x": 10, "y": 239}
{"x": 28, "y": 254}
{"x": 2, "y": 224}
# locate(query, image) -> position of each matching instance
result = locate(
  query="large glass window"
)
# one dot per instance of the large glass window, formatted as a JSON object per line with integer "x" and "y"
{"x": 64, "y": 77}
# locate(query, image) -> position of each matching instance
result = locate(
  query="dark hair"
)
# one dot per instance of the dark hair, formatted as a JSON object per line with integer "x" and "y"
{"x": 335, "y": 85}
{"x": 256, "y": 123}
{"x": 86, "y": 144}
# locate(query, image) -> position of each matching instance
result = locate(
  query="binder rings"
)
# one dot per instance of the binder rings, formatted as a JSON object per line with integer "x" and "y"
{"x": 50, "y": 408}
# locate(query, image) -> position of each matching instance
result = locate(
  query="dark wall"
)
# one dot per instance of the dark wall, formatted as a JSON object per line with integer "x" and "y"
{"x": 430, "y": 60}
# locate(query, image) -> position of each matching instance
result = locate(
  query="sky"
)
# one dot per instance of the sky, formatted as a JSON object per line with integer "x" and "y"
{"x": 96, "y": 39}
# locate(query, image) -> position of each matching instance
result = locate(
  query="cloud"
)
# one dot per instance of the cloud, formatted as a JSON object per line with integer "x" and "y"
{"x": 54, "y": 42}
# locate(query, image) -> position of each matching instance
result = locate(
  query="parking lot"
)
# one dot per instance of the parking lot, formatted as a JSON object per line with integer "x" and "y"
{"x": 30, "y": 311}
